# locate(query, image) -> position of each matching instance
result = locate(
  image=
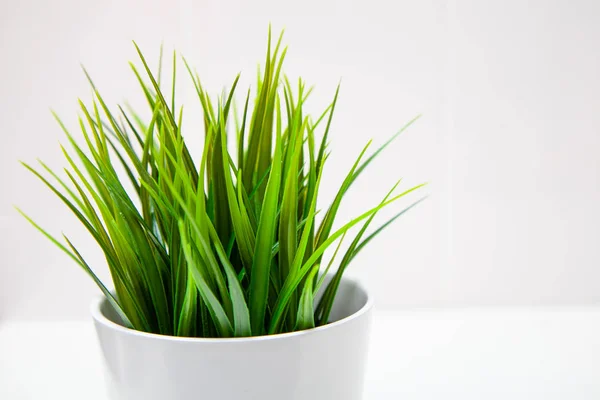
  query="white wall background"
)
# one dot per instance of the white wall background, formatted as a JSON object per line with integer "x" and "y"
{"x": 510, "y": 136}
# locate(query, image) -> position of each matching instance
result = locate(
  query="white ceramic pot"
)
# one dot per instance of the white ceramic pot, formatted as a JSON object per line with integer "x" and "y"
{"x": 325, "y": 363}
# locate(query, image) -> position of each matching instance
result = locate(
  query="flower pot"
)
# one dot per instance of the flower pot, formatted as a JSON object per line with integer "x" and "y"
{"x": 324, "y": 363}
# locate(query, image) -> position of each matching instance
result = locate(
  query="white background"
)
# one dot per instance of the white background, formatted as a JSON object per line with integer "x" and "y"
{"x": 509, "y": 138}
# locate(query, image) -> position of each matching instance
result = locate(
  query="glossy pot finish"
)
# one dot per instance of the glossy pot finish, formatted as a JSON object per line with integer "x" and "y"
{"x": 325, "y": 363}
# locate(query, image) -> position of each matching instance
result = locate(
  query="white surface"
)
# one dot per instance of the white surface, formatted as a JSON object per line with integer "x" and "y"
{"x": 321, "y": 364}
{"x": 525, "y": 172}
{"x": 509, "y": 138}
{"x": 492, "y": 354}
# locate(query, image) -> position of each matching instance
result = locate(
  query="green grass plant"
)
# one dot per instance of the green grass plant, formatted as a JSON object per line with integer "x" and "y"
{"x": 228, "y": 245}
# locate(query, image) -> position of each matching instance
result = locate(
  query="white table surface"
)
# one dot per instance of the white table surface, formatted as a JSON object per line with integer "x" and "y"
{"x": 481, "y": 354}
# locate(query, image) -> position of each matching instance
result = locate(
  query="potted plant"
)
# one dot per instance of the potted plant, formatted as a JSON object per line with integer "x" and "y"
{"x": 221, "y": 289}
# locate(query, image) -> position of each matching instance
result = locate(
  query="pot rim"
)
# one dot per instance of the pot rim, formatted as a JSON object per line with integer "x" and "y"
{"x": 99, "y": 317}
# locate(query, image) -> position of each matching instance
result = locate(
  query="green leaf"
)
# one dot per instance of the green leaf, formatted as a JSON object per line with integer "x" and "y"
{"x": 383, "y": 226}
{"x": 305, "y": 319}
{"x": 321, "y": 156}
{"x": 366, "y": 163}
{"x": 241, "y": 315}
{"x": 265, "y": 238}
{"x": 329, "y": 218}
{"x": 291, "y": 285}
{"x": 240, "y": 220}
{"x": 79, "y": 260}
{"x": 326, "y": 303}
{"x": 215, "y": 308}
